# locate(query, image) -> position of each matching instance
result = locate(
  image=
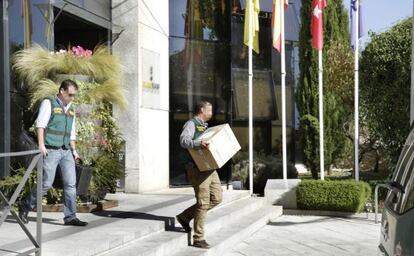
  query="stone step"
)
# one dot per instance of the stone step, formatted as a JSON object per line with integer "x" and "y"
{"x": 118, "y": 226}
{"x": 169, "y": 242}
{"x": 225, "y": 239}
{"x": 229, "y": 197}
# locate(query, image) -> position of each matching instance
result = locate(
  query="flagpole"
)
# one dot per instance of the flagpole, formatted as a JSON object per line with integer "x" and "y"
{"x": 356, "y": 89}
{"x": 251, "y": 96}
{"x": 321, "y": 151}
{"x": 283, "y": 76}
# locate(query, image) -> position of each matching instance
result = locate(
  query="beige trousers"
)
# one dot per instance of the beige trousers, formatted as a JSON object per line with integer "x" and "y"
{"x": 208, "y": 192}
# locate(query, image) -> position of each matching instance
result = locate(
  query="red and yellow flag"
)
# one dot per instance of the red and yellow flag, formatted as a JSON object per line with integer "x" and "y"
{"x": 276, "y": 23}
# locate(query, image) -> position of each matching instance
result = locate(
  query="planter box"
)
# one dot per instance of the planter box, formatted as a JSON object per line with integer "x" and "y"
{"x": 83, "y": 208}
{"x": 282, "y": 192}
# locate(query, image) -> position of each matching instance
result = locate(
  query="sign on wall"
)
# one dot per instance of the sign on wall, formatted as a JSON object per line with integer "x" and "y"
{"x": 150, "y": 79}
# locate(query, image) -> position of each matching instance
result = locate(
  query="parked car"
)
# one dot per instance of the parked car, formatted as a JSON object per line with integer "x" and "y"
{"x": 397, "y": 226}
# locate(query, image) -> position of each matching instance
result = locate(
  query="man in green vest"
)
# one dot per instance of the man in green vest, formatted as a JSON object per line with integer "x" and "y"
{"x": 56, "y": 135}
{"x": 206, "y": 184}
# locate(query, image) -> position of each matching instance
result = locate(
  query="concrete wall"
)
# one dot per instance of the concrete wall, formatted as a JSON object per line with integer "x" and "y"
{"x": 145, "y": 128}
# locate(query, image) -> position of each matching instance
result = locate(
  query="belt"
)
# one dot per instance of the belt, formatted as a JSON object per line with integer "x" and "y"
{"x": 53, "y": 147}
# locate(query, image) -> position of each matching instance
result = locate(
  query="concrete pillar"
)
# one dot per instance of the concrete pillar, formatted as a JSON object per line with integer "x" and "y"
{"x": 143, "y": 49}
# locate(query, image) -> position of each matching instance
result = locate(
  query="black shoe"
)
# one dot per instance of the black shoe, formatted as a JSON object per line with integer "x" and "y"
{"x": 76, "y": 222}
{"x": 183, "y": 224}
{"x": 23, "y": 214}
{"x": 201, "y": 244}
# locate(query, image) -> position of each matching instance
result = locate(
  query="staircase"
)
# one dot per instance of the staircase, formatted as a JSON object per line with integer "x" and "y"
{"x": 144, "y": 224}
{"x": 232, "y": 222}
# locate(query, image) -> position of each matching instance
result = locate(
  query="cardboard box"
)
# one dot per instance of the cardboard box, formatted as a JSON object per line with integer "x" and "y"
{"x": 223, "y": 145}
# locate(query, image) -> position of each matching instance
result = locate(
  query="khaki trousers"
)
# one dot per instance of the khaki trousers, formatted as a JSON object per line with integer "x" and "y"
{"x": 208, "y": 192}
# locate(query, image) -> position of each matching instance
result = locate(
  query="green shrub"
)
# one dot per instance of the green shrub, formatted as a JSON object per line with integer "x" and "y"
{"x": 9, "y": 184}
{"x": 385, "y": 80}
{"x": 346, "y": 196}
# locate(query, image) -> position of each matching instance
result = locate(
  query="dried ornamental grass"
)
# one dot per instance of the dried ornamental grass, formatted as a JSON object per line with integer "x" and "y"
{"x": 37, "y": 68}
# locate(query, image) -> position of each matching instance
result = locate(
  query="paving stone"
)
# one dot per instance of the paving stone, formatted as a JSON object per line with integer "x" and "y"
{"x": 313, "y": 236}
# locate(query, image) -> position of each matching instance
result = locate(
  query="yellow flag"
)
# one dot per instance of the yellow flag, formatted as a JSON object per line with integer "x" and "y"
{"x": 256, "y": 10}
{"x": 27, "y": 15}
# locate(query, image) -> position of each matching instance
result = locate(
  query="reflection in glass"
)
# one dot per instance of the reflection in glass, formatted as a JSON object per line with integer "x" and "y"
{"x": 208, "y": 61}
{"x": 264, "y": 95}
{"x": 199, "y": 66}
{"x": 199, "y": 19}
{"x": 194, "y": 78}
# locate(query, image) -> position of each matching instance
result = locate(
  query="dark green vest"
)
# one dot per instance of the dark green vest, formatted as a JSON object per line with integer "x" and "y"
{"x": 60, "y": 125}
{"x": 184, "y": 155}
{"x": 199, "y": 128}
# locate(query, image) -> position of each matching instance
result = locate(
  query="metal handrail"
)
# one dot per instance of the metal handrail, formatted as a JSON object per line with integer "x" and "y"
{"x": 38, "y": 162}
{"x": 387, "y": 186}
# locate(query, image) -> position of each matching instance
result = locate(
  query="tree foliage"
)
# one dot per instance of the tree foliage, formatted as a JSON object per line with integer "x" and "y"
{"x": 339, "y": 101}
{"x": 385, "y": 87}
{"x": 336, "y": 35}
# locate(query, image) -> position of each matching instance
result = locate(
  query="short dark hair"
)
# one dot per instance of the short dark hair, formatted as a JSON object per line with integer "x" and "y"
{"x": 200, "y": 105}
{"x": 66, "y": 83}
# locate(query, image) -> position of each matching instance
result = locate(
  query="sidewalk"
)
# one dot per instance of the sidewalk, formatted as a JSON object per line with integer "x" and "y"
{"x": 312, "y": 236}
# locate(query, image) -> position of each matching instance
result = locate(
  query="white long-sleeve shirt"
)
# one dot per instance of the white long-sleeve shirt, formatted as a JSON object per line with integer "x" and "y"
{"x": 45, "y": 112}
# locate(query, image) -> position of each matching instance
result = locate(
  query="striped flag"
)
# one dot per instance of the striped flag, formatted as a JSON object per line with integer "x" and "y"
{"x": 276, "y": 23}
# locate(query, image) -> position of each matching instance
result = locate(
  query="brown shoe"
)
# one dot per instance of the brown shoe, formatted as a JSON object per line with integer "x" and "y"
{"x": 201, "y": 244}
{"x": 183, "y": 224}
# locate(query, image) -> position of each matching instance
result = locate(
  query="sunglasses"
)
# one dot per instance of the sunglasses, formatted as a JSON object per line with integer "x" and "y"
{"x": 72, "y": 95}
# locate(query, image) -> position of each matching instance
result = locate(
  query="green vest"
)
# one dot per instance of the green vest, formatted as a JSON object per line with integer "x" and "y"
{"x": 184, "y": 155}
{"x": 60, "y": 125}
{"x": 199, "y": 128}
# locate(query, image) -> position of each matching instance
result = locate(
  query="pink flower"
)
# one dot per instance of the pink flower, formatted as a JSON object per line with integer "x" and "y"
{"x": 87, "y": 53}
{"x": 104, "y": 143}
{"x": 80, "y": 52}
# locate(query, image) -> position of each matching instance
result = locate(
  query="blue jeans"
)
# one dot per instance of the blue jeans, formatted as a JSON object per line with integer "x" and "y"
{"x": 65, "y": 160}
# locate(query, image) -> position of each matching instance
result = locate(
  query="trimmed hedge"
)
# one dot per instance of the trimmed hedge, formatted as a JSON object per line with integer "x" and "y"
{"x": 345, "y": 196}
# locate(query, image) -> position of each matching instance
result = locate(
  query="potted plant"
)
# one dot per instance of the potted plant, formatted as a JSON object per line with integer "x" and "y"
{"x": 98, "y": 76}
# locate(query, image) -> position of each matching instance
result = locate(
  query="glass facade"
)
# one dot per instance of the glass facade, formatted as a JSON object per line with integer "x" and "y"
{"x": 27, "y": 24}
{"x": 199, "y": 60}
{"x": 208, "y": 61}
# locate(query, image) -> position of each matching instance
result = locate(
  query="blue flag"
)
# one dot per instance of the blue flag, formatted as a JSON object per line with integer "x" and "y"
{"x": 353, "y": 10}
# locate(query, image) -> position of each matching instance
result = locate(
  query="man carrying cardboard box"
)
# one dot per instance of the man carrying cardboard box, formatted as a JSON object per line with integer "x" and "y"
{"x": 206, "y": 184}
